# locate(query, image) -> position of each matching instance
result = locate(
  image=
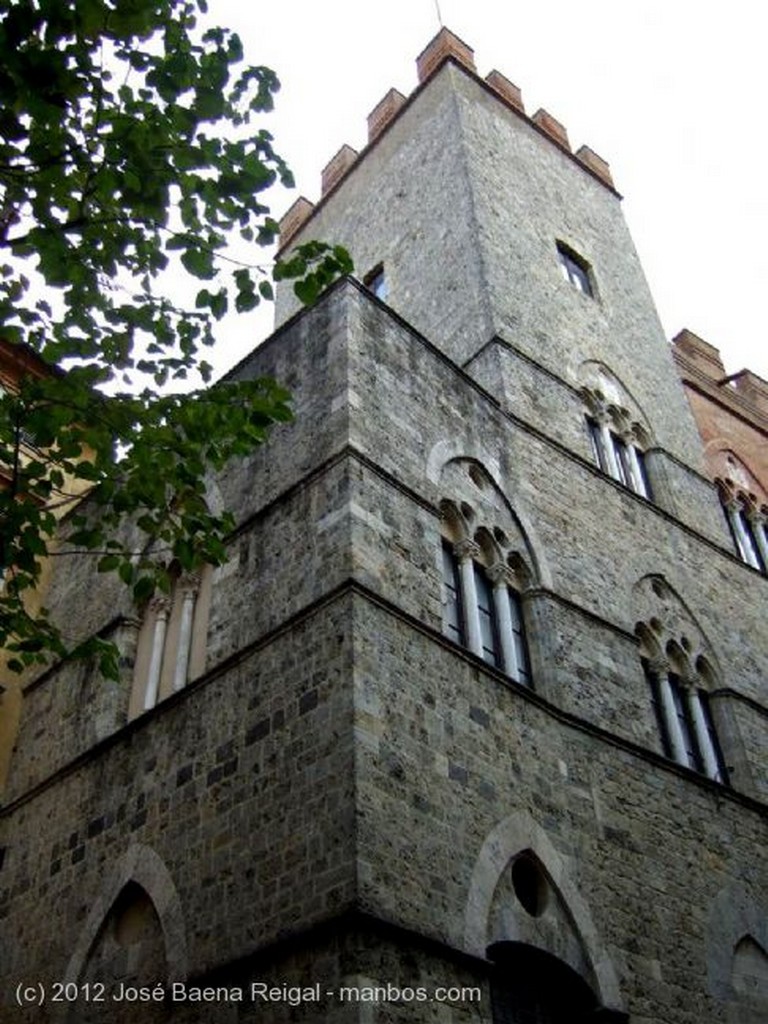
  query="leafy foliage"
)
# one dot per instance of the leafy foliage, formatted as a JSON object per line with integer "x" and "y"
{"x": 125, "y": 152}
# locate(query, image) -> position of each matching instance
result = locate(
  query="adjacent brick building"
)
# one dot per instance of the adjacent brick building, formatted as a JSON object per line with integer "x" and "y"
{"x": 731, "y": 413}
{"x": 472, "y": 725}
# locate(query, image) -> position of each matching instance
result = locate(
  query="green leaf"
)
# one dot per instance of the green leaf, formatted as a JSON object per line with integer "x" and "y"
{"x": 143, "y": 589}
{"x": 199, "y": 263}
{"x": 118, "y": 176}
{"x": 306, "y": 290}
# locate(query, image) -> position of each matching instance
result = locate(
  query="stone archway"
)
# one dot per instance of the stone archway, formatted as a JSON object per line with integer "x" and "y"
{"x": 140, "y": 870}
{"x": 517, "y": 835}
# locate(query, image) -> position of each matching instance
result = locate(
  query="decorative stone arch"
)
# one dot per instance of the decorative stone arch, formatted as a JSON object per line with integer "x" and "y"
{"x": 683, "y": 675}
{"x": 483, "y": 476}
{"x": 457, "y": 518}
{"x": 666, "y": 627}
{"x": 732, "y": 473}
{"x": 490, "y": 548}
{"x": 649, "y": 636}
{"x": 143, "y": 867}
{"x": 737, "y": 921}
{"x": 603, "y": 391}
{"x": 520, "y": 834}
{"x": 446, "y": 451}
{"x": 172, "y": 639}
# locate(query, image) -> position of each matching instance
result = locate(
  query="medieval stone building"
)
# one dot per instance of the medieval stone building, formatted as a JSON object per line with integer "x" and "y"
{"x": 472, "y": 726}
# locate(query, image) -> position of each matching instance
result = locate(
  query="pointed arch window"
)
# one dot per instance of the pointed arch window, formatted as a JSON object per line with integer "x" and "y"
{"x": 685, "y": 722}
{"x": 617, "y": 428}
{"x": 172, "y": 640}
{"x": 482, "y": 609}
{"x": 375, "y": 281}
{"x": 748, "y": 527}
{"x": 678, "y": 664}
{"x": 619, "y": 453}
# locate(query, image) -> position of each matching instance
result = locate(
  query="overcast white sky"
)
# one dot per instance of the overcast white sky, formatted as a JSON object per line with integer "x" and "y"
{"x": 670, "y": 92}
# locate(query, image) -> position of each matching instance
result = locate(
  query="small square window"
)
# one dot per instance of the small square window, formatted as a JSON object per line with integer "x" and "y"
{"x": 575, "y": 269}
{"x": 376, "y": 282}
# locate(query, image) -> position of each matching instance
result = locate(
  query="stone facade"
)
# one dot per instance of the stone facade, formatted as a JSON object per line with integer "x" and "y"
{"x": 351, "y": 802}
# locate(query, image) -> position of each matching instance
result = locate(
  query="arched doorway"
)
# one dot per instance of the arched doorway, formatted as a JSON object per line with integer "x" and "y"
{"x": 530, "y": 986}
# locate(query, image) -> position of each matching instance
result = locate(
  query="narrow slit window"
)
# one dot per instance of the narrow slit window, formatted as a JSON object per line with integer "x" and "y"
{"x": 575, "y": 269}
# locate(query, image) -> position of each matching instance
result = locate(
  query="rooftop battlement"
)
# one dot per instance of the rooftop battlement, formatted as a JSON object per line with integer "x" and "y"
{"x": 692, "y": 353}
{"x": 446, "y": 46}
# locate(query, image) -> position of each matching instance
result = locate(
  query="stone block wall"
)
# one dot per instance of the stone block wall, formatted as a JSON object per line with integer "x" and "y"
{"x": 593, "y": 539}
{"x": 460, "y": 772}
{"x": 471, "y": 201}
{"x": 340, "y": 756}
{"x": 241, "y": 786}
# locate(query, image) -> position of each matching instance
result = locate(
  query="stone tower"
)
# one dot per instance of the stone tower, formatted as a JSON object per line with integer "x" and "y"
{"x": 472, "y": 725}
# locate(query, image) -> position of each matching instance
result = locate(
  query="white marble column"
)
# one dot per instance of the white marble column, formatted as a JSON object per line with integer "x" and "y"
{"x": 501, "y": 576}
{"x": 669, "y": 709}
{"x": 703, "y": 738}
{"x": 743, "y": 541}
{"x": 466, "y": 551}
{"x": 757, "y": 522}
{"x": 638, "y": 480}
{"x": 159, "y": 607}
{"x": 188, "y": 587}
{"x": 603, "y": 422}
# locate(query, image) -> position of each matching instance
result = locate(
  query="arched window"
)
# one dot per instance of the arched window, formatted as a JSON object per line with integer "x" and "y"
{"x": 680, "y": 679}
{"x": 685, "y": 720}
{"x": 375, "y": 281}
{"x": 618, "y": 448}
{"x": 128, "y": 950}
{"x": 172, "y": 640}
{"x": 616, "y": 427}
{"x": 747, "y": 522}
{"x": 481, "y": 593}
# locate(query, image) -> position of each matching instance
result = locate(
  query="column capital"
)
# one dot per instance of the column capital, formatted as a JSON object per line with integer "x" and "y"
{"x": 627, "y": 435}
{"x": 189, "y": 583}
{"x": 658, "y": 665}
{"x": 160, "y": 605}
{"x": 501, "y": 575}
{"x": 466, "y": 549}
